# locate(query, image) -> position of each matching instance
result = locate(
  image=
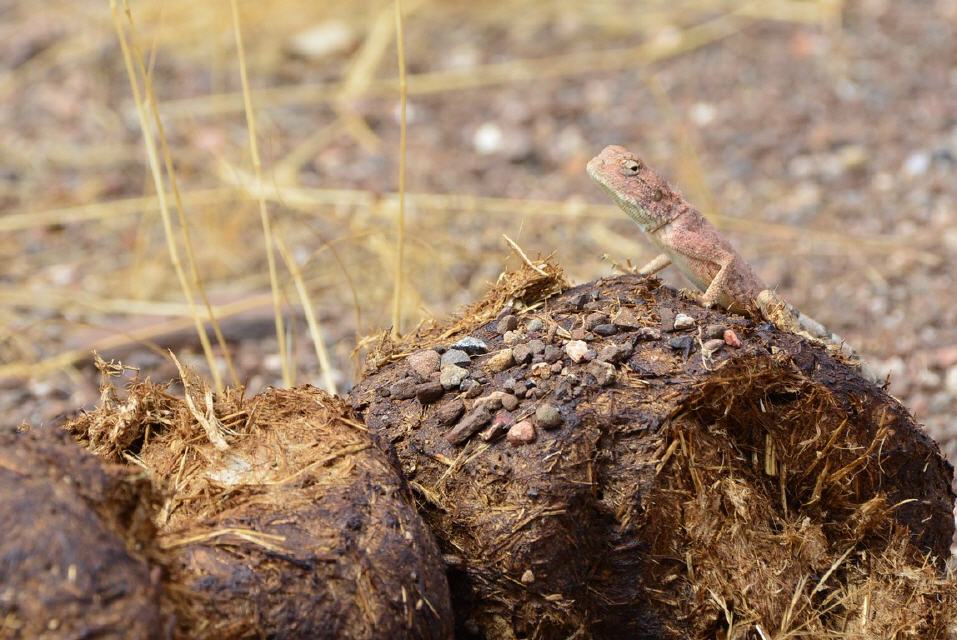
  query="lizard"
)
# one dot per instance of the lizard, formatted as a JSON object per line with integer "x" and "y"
{"x": 691, "y": 243}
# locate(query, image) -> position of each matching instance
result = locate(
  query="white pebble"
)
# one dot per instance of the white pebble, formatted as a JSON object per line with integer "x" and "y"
{"x": 488, "y": 138}
{"x": 683, "y": 321}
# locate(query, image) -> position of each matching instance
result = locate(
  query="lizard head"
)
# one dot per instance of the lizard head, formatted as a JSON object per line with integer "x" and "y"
{"x": 638, "y": 190}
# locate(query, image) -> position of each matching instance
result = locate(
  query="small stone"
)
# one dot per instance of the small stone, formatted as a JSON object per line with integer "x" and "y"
{"x": 550, "y": 334}
{"x": 471, "y": 346}
{"x": 471, "y": 388}
{"x": 450, "y": 412}
{"x": 553, "y": 353}
{"x": 508, "y": 323}
{"x": 667, "y": 316}
{"x": 579, "y": 334}
{"x": 606, "y": 330}
{"x": 429, "y": 392}
{"x": 522, "y": 353}
{"x": 509, "y": 402}
{"x": 603, "y": 372}
{"x": 576, "y": 350}
{"x": 542, "y": 370}
{"x": 456, "y": 357}
{"x": 528, "y": 577}
{"x": 557, "y": 367}
{"x": 469, "y": 425}
{"x": 579, "y": 301}
{"x": 590, "y": 355}
{"x": 626, "y": 319}
{"x": 501, "y": 423}
{"x": 683, "y": 321}
{"x": 535, "y": 324}
{"x": 512, "y": 337}
{"x": 452, "y": 376}
{"x": 592, "y": 320}
{"x": 547, "y": 416}
{"x": 510, "y": 384}
{"x": 682, "y": 343}
{"x": 384, "y": 392}
{"x": 404, "y": 389}
{"x": 492, "y": 401}
{"x": 536, "y": 346}
{"x": 499, "y": 361}
{"x": 324, "y": 39}
{"x": 731, "y": 338}
{"x": 649, "y": 333}
{"x": 521, "y": 433}
{"x": 714, "y": 331}
{"x": 608, "y": 353}
{"x": 712, "y": 346}
{"x": 425, "y": 362}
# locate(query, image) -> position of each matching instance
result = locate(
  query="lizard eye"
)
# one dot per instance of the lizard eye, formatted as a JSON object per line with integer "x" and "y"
{"x": 630, "y": 168}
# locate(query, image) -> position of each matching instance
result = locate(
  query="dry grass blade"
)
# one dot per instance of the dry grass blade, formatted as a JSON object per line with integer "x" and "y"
{"x": 161, "y": 195}
{"x": 208, "y": 421}
{"x": 265, "y": 540}
{"x": 177, "y": 197}
{"x": 400, "y": 220}
{"x": 322, "y": 355}
{"x": 263, "y": 212}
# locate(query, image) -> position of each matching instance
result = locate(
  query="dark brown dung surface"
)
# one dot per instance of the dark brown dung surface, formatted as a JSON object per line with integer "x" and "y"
{"x": 297, "y": 526}
{"x": 762, "y": 487}
{"x": 72, "y": 531}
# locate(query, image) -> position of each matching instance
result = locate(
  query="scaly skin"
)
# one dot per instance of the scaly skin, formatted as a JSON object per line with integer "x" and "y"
{"x": 687, "y": 240}
{"x": 684, "y": 236}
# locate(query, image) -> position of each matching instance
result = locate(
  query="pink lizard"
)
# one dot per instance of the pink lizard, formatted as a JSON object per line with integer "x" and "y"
{"x": 687, "y": 240}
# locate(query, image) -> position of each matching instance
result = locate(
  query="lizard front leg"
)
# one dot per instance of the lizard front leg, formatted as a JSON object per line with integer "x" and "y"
{"x": 718, "y": 288}
{"x": 655, "y": 265}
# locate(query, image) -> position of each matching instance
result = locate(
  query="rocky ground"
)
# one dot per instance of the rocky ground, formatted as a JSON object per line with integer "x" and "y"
{"x": 821, "y": 136}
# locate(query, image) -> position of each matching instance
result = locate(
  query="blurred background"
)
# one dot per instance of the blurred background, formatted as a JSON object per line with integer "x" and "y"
{"x": 820, "y": 135}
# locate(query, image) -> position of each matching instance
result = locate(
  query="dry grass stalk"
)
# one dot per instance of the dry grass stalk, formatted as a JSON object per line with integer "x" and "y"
{"x": 161, "y": 195}
{"x": 322, "y": 355}
{"x": 400, "y": 220}
{"x": 263, "y": 212}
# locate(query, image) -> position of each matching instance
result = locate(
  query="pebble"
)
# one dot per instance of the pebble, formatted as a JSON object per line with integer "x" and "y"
{"x": 667, "y": 316}
{"x": 552, "y": 353}
{"x": 714, "y": 331}
{"x": 501, "y": 422}
{"x": 471, "y": 388}
{"x": 579, "y": 334}
{"x": 731, "y": 338}
{"x": 592, "y": 320}
{"x": 576, "y": 350}
{"x": 649, "y": 333}
{"x": 471, "y": 345}
{"x": 509, "y": 402}
{"x": 491, "y": 402}
{"x": 403, "y": 389}
{"x": 429, "y": 392}
{"x": 535, "y": 324}
{"x": 626, "y": 319}
{"x": 509, "y": 384}
{"x": 452, "y": 376}
{"x": 506, "y": 324}
{"x": 603, "y": 372}
{"x": 324, "y": 39}
{"x": 521, "y": 433}
{"x": 547, "y": 416}
{"x": 712, "y": 346}
{"x": 522, "y": 353}
{"x": 682, "y": 343}
{"x": 542, "y": 370}
{"x": 609, "y": 353}
{"x": 450, "y": 412}
{"x": 536, "y": 346}
{"x": 550, "y": 334}
{"x": 469, "y": 425}
{"x": 683, "y": 321}
{"x": 499, "y": 361}
{"x": 456, "y": 357}
{"x": 425, "y": 363}
{"x": 606, "y": 330}
{"x": 557, "y": 367}
{"x": 528, "y": 577}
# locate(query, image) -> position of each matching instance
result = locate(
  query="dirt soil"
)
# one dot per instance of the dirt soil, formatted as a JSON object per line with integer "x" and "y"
{"x": 283, "y": 521}
{"x": 75, "y": 538}
{"x": 617, "y": 461}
